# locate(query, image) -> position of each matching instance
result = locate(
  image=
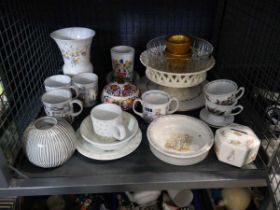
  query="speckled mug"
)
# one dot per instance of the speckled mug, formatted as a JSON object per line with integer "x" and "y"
{"x": 107, "y": 121}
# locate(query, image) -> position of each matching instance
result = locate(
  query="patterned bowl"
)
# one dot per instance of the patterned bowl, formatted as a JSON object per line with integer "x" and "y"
{"x": 49, "y": 142}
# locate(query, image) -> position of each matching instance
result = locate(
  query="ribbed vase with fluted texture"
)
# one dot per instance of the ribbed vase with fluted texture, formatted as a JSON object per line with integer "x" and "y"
{"x": 49, "y": 142}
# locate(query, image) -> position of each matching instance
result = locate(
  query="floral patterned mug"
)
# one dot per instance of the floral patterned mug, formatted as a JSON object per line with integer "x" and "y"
{"x": 122, "y": 62}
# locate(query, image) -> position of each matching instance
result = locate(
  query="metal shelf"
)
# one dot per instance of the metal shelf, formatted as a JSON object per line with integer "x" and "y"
{"x": 140, "y": 170}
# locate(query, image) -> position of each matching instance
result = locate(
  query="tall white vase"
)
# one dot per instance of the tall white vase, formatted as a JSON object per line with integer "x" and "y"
{"x": 74, "y": 44}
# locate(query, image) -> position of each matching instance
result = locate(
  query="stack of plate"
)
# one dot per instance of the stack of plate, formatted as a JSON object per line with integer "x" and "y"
{"x": 97, "y": 147}
{"x": 180, "y": 140}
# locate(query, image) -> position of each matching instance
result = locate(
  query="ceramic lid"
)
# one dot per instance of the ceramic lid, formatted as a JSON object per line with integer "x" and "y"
{"x": 121, "y": 89}
{"x": 238, "y": 136}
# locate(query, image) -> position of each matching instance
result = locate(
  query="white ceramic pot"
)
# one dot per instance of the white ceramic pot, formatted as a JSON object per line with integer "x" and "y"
{"x": 74, "y": 44}
{"x": 120, "y": 94}
{"x": 49, "y": 142}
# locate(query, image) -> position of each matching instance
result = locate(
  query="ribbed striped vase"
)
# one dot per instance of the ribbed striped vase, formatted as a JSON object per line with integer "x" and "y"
{"x": 49, "y": 142}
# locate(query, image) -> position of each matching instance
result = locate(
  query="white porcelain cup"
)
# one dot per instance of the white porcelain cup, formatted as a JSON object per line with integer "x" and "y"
{"x": 123, "y": 62}
{"x": 58, "y": 103}
{"x": 155, "y": 103}
{"x": 223, "y": 110}
{"x": 59, "y": 81}
{"x": 223, "y": 92}
{"x": 107, "y": 121}
{"x": 181, "y": 198}
{"x": 87, "y": 85}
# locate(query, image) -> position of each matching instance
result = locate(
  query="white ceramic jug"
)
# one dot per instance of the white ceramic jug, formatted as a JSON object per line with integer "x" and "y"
{"x": 74, "y": 44}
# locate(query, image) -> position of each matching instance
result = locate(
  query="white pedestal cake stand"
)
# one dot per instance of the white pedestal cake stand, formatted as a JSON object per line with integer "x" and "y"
{"x": 182, "y": 78}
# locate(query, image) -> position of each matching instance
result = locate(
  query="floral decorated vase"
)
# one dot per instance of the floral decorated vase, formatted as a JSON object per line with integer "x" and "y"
{"x": 122, "y": 94}
{"x": 74, "y": 44}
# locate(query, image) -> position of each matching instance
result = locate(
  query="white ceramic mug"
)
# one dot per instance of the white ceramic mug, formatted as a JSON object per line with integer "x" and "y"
{"x": 123, "y": 62}
{"x": 223, "y": 92}
{"x": 58, "y": 103}
{"x": 107, "y": 121}
{"x": 181, "y": 198}
{"x": 87, "y": 85}
{"x": 223, "y": 110}
{"x": 155, "y": 103}
{"x": 59, "y": 81}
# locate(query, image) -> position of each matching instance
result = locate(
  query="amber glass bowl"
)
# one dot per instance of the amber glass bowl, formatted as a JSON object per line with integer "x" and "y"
{"x": 178, "y": 44}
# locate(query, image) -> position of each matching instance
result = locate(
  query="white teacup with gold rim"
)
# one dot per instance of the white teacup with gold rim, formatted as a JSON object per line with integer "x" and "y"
{"x": 107, "y": 121}
{"x": 155, "y": 103}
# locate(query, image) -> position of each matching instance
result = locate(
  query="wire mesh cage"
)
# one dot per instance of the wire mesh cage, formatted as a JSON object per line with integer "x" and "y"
{"x": 245, "y": 37}
{"x": 247, "y": 52}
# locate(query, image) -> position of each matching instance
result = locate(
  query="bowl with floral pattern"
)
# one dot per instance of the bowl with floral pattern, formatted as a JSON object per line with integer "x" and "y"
{"x": 122, "y": 94}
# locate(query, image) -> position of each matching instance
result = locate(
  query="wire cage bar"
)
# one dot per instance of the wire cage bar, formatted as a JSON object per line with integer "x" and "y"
{"x": 245, "y": 35}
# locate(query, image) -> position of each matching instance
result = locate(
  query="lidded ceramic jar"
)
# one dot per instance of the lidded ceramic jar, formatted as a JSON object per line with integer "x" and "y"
{"x": 122, "y": 94}
{"x": 49, "y": 142}
{"x": 236, "y": 145}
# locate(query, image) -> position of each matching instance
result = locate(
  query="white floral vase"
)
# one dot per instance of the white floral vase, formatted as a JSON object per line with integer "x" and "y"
{"x": 49, "y": 142}
{"x": 74, "y": 44}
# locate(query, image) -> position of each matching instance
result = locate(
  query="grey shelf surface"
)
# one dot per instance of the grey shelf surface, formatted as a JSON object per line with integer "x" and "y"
{"x": 140, "y": 170}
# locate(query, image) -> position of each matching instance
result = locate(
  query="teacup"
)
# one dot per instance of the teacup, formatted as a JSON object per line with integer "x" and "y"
{"x": 155, "y": 103}
{"x": 58, "y": 103}
{"x": 107, "y": 121}
{"x": 223, "y": 92}
{"x": 223, "y": 110}
{"x": 87, "y": 85}
{"x": 59, "y": 82}
{"x": 123, "y": 62}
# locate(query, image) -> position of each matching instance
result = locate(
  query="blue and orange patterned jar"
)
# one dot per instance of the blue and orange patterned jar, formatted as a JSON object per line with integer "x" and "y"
{"x": 122, "y": 94}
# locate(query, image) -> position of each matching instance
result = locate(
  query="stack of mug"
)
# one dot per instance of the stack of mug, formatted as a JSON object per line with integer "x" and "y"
{"x": 221, "y": 98}
{"x": 62, "y": 92}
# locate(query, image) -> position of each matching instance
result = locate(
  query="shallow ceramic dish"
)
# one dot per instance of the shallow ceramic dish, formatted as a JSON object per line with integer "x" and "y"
{"x": 106, "y": 143}
{"x": 90, "y": 151}
{"x": 178, "y": 161}
{"x": 171, "y": 128}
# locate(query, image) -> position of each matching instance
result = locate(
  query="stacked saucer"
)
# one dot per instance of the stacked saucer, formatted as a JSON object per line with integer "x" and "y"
{"x": 97, "y": 147}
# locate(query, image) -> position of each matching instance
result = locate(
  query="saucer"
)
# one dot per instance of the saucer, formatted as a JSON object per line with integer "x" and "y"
{"x": 92, "y": 152}
{"x": 105, "y": 143}
{"x": 206, "y": 117}
{"x": 184, "y": 105}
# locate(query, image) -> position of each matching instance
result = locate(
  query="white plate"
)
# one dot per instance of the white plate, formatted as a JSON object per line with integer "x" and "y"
{"x": 204, "y": 115}
{"x": 184, "y": 105}
{"x": 90, "y": 151}
{"x": 106, "y": 143}
{"x": 166, "y": 127}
